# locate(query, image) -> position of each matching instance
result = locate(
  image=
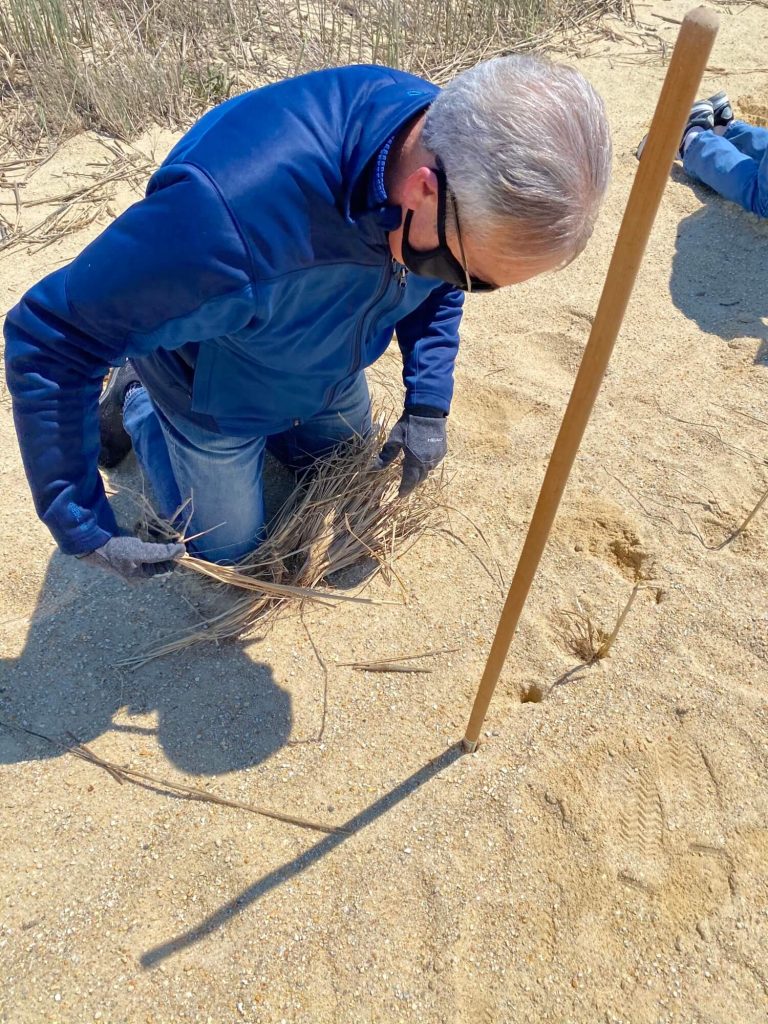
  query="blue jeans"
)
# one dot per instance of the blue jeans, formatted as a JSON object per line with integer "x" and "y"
{"x": 223, "y": 475}
{"x": 734, "y": 164}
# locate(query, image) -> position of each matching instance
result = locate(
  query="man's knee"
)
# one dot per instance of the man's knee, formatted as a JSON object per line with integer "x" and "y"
{"x": 760, "y": 202}
{"x": 225, "y": 551}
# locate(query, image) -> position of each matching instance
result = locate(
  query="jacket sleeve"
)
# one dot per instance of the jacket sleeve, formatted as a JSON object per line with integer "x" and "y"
{"x": 429, "y": 341}
{"x": 172, "y": 269}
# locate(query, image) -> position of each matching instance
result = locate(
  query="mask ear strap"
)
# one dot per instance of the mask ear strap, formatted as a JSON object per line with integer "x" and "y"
{"x": 407, "y": 226}
{"x": 442, "y": 191}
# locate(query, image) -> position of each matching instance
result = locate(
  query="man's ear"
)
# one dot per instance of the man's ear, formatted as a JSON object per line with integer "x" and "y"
{"x": 419, "y": 187}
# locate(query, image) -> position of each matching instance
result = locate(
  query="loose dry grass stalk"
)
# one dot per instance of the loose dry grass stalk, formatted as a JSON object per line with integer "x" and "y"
{"x": 64, "y": 221}
{"x": 452, "y": 535}
{"x": 712, "y": 430}
{"x": 695, "y": 495}
{"x": 397, "y": 662}
{"x": 609, "y": 640}
{"x": 745, "y": 522}
{"x": 122, "y": 774}
{"x": 391, "y": 666}
{"x": 126, "y": 167}
{"x": 324, "y": 669}
{"x": 77, "y": 208}
{"x": 345, "y": 512}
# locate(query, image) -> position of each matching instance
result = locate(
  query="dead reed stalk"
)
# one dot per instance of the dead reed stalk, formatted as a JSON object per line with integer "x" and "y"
{"x": 745, "y": 522}
{"x": 121, "y": 773}
{"x": 398, "y": 662}
{"x": 73, "y": 210}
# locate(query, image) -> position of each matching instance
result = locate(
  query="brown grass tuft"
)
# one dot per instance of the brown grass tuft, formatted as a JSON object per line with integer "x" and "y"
{"x": 588, "y": 640}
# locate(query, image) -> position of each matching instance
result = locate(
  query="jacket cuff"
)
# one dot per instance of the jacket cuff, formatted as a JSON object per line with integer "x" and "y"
{"x": 426, "y": 411}
{"x": 76, "y": 543}
{"x": 427, "y": 399}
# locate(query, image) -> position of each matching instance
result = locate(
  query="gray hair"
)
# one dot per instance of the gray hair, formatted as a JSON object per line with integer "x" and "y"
{"x": 527, "y": 152}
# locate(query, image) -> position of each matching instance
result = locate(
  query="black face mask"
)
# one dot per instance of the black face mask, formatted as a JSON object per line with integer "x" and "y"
{"x": 440, "y": 261}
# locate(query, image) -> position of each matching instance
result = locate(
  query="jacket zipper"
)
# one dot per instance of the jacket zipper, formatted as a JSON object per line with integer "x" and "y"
{"x": 396, "y": 270}
{"x": 400, "y": 273}
{"x": 381, "y": 291}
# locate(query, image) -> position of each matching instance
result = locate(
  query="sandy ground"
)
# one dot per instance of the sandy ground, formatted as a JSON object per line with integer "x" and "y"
{"x": 604, "y": 856}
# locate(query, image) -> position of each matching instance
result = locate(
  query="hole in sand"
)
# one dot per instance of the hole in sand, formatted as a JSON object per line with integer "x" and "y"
{"x": 532, "y": 694}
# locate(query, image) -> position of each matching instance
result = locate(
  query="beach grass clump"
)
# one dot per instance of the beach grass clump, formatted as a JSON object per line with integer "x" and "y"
{"x": 343, "y": 514}
{"x": 117, "y": 66}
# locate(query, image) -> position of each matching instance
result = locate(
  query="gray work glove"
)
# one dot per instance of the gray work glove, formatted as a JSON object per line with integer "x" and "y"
{"x": 422, "y": 439}
{"x": 132, "y": 558}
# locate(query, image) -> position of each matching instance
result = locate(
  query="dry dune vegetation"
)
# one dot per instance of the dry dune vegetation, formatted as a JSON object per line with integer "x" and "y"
{"x": 115, "y": 65}
{"x": 281, "y": 827}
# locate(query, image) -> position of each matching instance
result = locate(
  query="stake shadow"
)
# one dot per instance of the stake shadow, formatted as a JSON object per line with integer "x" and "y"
{"x": 573, "y": 675}
{"x": 305, "y": 860}
{"x": 718, "y": 271}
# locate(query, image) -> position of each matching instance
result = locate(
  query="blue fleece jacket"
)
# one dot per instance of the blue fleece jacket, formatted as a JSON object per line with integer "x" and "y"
{"x": 252, "y": 280}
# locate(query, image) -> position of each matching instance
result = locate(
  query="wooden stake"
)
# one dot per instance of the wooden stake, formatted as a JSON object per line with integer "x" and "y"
{"x": 689, "y": 59}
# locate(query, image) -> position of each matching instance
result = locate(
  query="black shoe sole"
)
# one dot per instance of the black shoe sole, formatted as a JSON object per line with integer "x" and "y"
{"x": 722, "y": 109}
{"x": 115, "y": 441}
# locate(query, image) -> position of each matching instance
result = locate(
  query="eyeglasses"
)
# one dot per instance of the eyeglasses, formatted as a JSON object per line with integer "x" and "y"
{"x": 462, "y": 277}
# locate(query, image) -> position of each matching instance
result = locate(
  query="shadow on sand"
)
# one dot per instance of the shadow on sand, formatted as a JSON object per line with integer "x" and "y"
{"x": 216, "y": 711}
{"x": 719, "y": 270}
{"x": 304, "y": 861}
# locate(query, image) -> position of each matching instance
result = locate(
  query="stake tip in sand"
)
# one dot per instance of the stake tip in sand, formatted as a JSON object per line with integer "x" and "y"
{"x": 469, "y": 746}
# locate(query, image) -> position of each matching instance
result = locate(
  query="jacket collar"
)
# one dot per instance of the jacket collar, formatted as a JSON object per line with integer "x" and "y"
{"x": 387, "y": 111}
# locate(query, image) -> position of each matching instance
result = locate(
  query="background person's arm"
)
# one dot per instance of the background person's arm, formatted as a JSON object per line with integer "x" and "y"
{"x": 172, "y": 269}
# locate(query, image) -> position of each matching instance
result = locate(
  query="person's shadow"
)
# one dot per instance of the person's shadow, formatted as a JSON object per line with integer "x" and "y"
{"x": 211, "y": 709}
{"x": 719, "y": 271}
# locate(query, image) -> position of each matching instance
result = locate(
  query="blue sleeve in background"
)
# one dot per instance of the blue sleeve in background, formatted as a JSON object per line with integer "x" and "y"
{"x": 429, "y": 341}
{"x": 171, "y": 270}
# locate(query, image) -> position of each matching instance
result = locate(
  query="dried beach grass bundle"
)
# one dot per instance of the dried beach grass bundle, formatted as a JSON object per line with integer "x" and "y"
{"x": 346, "y": 511}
